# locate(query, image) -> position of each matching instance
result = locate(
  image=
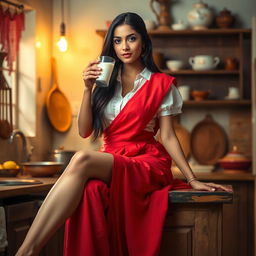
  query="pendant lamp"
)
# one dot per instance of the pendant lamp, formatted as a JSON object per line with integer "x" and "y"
{"x": 62, "y": 43}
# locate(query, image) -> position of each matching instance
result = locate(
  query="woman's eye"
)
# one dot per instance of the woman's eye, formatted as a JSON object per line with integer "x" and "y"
{"x": 117, "y": 41}
{"x": 132, "y": 38}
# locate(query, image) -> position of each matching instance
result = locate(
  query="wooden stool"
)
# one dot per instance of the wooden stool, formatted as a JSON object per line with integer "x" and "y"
{"x": 194, "y": 223}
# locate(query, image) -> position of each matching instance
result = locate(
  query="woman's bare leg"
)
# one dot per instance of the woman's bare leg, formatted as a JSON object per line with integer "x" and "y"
{"x": 64, "y": 197}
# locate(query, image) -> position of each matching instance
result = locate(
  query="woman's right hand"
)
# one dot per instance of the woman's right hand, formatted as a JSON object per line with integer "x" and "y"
{"x": 91, "y": 73}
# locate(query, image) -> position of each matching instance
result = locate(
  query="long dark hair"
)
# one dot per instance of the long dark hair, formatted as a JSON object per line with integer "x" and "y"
{"x": 102, "y": 95}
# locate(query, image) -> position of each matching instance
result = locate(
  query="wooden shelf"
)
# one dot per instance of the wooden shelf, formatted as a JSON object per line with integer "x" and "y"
{"x": 204, "y": 72}
{"x": 186, "y": 32}
{"x": 218, "y": 103}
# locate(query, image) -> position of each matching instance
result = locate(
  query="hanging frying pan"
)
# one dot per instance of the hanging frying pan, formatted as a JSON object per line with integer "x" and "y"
{"x": 57, "y": 104}
{"x": 208, "y": 141}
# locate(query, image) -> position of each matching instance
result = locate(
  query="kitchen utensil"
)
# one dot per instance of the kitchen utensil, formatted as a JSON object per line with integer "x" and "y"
{"x": 57, "y": 104}
{"x": 5, "y": 103}
{"x": 225, "y": 19}
{"x": 184, "y": 91}
{"x": 163, "y": 17}
{"x": 199, "y": 95}
{"x": 62, "y": 156}
{"x": 230, "y": 63}
{"x": 41, "y": 169}
{"x": 200, "y": 17}
{"x": 204, "y": 62}
{"x": 9, "y": 172}
{"x": 233, "y": 93}
{"x": 208, "y": 141}
{"x": 174, "y": 65}
{"x": 179, "y": 26}
{"x": 235, "y": 160}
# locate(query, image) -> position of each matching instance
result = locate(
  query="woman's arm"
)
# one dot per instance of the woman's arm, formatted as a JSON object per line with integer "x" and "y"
{"x": 172, "y": 145}
{"x": 90, "y": 74}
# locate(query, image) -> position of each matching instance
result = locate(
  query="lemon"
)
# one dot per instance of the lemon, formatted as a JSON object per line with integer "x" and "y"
{"x": 9, "y": 165}
{"x": 1, "y": 166}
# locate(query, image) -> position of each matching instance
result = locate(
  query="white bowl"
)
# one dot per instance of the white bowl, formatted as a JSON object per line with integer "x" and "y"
{"x": 174, "y": 65}
{"x": 179, "y": 26}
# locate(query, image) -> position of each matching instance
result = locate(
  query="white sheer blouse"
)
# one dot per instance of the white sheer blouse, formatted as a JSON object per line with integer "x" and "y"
{"x": 171, "y": 104}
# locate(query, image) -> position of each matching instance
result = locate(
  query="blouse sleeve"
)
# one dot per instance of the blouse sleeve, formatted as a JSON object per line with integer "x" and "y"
{"x": 172, "y": 103}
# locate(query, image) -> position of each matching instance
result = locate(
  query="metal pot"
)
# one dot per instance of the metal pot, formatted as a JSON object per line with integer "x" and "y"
{"x": 59, "y": 155}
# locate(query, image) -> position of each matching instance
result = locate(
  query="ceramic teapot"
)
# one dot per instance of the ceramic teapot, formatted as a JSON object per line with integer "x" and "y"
{"x": 204, "y": 62}
{"x": 200, "y": 17}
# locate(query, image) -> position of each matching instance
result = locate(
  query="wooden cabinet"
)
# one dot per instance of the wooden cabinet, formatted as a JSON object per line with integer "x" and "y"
{"x": 238, "y": 221}
{"x": 192, "y": 229}
{"x": 18, "y": 220}
{"x": 238, "y": 217}
{"x": 19, "y": 217}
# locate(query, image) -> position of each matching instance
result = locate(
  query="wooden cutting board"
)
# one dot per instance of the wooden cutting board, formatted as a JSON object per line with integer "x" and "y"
{"x": 208, "y": 141}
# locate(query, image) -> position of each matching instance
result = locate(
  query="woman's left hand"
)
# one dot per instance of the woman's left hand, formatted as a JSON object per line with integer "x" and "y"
{"x": 198, "y": 185}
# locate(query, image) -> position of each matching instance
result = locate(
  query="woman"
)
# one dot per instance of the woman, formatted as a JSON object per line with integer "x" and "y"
{"x": 122, "y": 190}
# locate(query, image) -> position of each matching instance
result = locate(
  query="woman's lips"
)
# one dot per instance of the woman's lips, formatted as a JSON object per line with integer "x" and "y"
{"x": 127, "y": 55}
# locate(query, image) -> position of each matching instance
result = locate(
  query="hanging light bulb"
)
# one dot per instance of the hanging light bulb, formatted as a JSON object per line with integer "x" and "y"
{"x": 62, "y": 43}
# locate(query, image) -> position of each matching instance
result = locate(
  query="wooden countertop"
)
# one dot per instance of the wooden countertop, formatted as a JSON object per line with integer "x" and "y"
{"x": 12, "y": 191}
{"x": 185, "y": 196}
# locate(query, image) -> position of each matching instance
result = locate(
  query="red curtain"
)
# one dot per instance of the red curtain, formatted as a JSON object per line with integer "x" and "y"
{"x": 12, "y": 23}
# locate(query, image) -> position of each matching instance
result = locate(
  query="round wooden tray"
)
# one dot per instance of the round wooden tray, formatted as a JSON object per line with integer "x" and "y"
{"x": 208, "y": 141}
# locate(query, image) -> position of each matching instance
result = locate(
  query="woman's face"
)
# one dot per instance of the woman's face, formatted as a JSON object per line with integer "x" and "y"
{"x": 127, "y": 44}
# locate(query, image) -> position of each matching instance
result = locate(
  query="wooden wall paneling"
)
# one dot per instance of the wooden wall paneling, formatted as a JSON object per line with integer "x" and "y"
{"x": 240, "y": 131}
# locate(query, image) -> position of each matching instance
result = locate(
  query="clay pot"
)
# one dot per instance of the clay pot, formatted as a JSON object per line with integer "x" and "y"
{"x": 235, "y": 160}
{"x": 225, "y": 19}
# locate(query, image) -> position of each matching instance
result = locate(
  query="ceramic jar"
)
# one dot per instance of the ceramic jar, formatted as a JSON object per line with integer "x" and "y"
{"x": 200, "y": 17}
{"x": 225, "y": 19}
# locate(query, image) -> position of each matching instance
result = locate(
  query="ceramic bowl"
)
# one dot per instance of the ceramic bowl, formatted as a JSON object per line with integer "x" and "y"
{"x": 9, "y": 172}
{"x": 174, "y": 65}
{"x": 235, "y": 160}
{"x": 198, "y": 95}
{"x": 42, "y": 169}
{"x": 179, "y": 26}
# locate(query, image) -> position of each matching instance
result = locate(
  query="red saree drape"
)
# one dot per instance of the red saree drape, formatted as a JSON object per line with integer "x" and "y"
{"x": 127, "y": 218}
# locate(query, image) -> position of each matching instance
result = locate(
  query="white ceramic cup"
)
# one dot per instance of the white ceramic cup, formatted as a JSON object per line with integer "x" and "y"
{"x": 184, "y": 91}
{"x": 107, "y": 64}
{"x": 233, "y": 93}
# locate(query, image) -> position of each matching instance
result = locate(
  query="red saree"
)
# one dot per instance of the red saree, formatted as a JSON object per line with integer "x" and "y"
{"x": 127, "y": 219}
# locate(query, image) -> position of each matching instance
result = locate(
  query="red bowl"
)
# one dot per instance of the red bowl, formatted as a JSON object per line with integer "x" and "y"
{"x": 235, "y": 165}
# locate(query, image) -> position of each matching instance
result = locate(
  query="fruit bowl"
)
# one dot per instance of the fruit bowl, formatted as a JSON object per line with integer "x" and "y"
{"x": 42, "y": 169}
{"x": 9, "y": 172}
